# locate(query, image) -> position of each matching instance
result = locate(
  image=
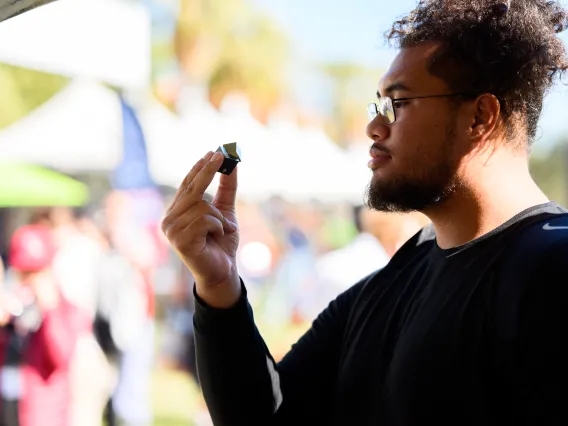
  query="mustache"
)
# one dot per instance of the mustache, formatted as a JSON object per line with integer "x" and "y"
{"x": 380, "y": 147}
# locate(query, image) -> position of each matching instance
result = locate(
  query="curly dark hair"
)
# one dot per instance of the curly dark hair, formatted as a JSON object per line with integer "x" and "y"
{"x": 510, "y": 50}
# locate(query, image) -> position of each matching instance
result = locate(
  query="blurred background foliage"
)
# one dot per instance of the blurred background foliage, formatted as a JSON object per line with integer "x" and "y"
{"x": 23, "y": 90}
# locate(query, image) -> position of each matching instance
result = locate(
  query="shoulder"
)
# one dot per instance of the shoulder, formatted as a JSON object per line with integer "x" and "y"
{"x": 535, "y": 266}
{"x": 542, "y": 299}
{"x": 416, "y": 247}
{"x": 544, "y": 242}
{"x": 534, "y": 253}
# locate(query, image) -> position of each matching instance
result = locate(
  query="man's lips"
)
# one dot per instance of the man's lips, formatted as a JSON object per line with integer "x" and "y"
{"x": 379, "y": 157}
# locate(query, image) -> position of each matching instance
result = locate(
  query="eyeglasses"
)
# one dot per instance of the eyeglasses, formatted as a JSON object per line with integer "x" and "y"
{"x": 385, "y": 106}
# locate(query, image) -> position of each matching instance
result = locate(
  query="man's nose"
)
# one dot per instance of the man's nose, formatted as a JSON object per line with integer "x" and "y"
{"x": 377, "y": 129}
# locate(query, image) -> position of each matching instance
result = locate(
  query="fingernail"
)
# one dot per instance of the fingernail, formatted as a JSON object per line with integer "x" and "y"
{"x": 208, "y": 155}
{"x": 217, "y": 156}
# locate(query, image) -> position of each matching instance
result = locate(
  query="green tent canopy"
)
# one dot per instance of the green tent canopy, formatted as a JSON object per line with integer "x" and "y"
{"x": 25, "y": 185}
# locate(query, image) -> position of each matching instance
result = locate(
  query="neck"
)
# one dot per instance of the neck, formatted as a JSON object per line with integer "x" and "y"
{"x": 495, "y": 192}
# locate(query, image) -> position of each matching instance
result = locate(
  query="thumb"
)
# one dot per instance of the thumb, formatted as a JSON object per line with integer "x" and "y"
{"x": 226, "y": 196}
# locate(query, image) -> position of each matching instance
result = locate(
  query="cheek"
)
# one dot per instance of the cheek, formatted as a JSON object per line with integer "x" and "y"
{"x": 418, "y": 145}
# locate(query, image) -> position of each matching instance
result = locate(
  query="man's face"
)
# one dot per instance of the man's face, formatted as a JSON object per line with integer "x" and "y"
{"x": 415, "y": 159}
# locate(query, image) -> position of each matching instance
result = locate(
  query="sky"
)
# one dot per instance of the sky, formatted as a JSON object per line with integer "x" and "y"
{"x": 323, "y": 31}
{"x": 336, "y": 30}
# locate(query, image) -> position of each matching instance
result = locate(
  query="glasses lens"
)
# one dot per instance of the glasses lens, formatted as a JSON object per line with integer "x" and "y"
{"x": 372, "y": 111}
{"x": 386, "y": 109}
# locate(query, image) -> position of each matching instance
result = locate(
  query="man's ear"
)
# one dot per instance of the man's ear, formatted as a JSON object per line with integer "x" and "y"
{"x": 486, "y": 111}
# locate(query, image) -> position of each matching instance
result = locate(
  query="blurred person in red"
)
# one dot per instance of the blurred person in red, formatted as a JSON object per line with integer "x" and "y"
{"x": 79, "y": 266}
{"x": 4, "y": 315}
{"x": 76, "y": 267}
{"x": 37, "y": 336}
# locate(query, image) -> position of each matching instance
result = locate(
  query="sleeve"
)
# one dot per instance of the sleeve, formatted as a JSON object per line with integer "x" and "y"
{"x": 241, "y": 383}
{"x": 539, "y": 367}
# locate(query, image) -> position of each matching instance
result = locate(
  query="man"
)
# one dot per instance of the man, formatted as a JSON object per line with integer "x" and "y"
{"x": 464, "y": 325}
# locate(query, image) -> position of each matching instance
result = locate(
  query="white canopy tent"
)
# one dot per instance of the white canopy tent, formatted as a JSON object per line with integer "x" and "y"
{"x": 79, "y": 129}
{"x": 170, "y": 153}
{"x": 311, "y": 166}
{"x": 202, "y": 128}
{"x": 106, "y": 40}
{"x": 256, "y": 174}
{"x": 358, "y": 156}
{"x": 334, "y": 175}
{"x": 175, "y": 142}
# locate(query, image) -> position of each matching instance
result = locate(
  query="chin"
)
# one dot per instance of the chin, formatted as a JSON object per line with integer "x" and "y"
{"x": 381, "y": 175}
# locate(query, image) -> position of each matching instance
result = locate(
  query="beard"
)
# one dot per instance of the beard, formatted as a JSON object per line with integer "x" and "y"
{"x": 426, "y": 187}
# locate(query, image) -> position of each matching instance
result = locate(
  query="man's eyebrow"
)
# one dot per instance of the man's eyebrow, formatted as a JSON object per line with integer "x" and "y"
{"x": 395, "y": 87}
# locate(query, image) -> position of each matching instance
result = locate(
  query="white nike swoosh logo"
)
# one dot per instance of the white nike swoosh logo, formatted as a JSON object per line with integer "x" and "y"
{"x": 547, "y": 227}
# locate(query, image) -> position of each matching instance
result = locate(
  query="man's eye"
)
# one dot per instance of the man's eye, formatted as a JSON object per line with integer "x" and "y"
{"x": 399, "y": 104}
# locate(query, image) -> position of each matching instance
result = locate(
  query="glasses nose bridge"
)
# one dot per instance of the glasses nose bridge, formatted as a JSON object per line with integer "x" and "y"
{"x": 376, "y": 110}
{"x": 378, "y": 126}
{"x": 384, "y": 108}
{"x": 372, "y": 111}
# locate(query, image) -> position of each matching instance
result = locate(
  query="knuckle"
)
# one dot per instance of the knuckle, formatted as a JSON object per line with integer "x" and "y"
{"x": 180, "y": 237}
{"x": 166, "y": 225}
{"x": 182, "y": 244}
{"x": 211, "y": 166}
{"x": 199, "y": 222}
{"x": 212, "y": 209}
{"x": 198, "y": 166}
{"x": 183, "y": 231}
{"x": 189, "y": 186}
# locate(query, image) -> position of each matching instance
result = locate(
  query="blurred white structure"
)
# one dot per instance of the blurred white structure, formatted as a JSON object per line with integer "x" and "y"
{"x": 311, "y": 166}
{"x": 358, "y": 156}
{"x": 171, "y": 152}
{"x": 175, "y": 142}
{"x": 333, "y": 175}
{"x": 279, "y": 159}
{"x": 256, "y": 173}
{"x": 106, "y": 40}
{"x": 79, "y": 129}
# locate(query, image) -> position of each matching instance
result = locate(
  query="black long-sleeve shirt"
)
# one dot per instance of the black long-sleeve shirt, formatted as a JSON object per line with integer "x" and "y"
{"x": 414, "y": 343}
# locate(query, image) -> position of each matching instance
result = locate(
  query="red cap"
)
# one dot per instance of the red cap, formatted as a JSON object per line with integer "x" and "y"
{"x": 31, "y": 248}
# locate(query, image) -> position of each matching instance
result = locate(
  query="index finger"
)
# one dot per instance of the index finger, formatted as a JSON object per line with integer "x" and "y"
{"x": 205, "y": 176}
{"x": 188, "y": 179}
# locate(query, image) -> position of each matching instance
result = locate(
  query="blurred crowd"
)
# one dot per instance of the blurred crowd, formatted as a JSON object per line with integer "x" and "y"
{"x": 93, "y": 300}
{"x": 76, "y": 318}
